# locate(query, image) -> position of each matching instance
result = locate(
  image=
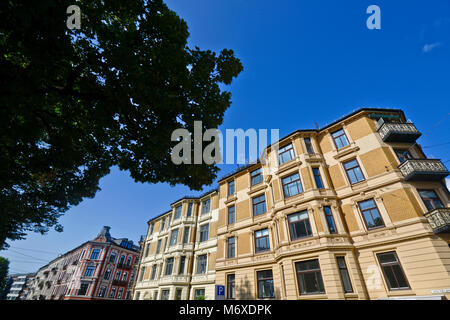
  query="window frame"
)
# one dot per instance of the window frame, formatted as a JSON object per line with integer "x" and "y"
{"x": 255, "y": 204}
{"x": 290, "y": 150}
{"x": 297, "y": 182}
{"x": 331, "y": 216}
{"x": 208, "y": 201}
{"x": 352, "y": 168}
{"x": 182, "y": 265}
{"x": 315, "y": 271}
{"x": 178, "y": 212}
{"x": 390, "y": 264}
{"x": 231, "y": 184}
{"x": 308, "y": 145}
{"x": 338, "y": 137}
{"x": 258, "y": 280}
{"x": 186, "y": 231}
{"x": 202, "y": 232}
{"x": 433, "y": 200}
{"x": 232, "y": 246}
{"x": 256, "y": 238}
{"x": 399, "y": 151}
{"x": 189, "y": 209}
{"x": 197, "y": 269}
{"x": 233, "y": 214}
{"x": 231, "y": 287}
{"x": 298, "y": 221}
{"x": 258, "y": 177}
{"x": 173, "y": 240}
{"x": 344, "y": 270}
{"x": 166, "y": 269}
{"x": 95, "y": 252}
{"x": 318, "y": 176}
{"x": 364, "y": 217}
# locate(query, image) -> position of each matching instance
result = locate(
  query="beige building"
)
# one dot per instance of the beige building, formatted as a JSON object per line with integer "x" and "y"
{"x": 179, "y": 252}
{"x": 354, "y": 210}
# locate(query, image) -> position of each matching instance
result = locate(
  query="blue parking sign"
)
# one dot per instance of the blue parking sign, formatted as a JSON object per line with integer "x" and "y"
{"x": 220, "y": 292}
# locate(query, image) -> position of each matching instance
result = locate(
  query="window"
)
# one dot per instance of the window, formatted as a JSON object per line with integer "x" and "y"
{"x": 292, "y": 185}
{"x": 299, "y": 226}
{"x": 231, "y": 188}
{"x": 189, "y": 211}
{"x": 330, "y": 220}
{"x": 402, "y": 155}
{"x": 152, "y": 227}
{"x": 318, "y": 178}
{"x": 165, "y": 294}
{"x": 165, "y": 243}
{"x": 308, "y": 144}
{"x": 102, "y": 292}
{"x": 118, "y": 273}
{"x": 128, "y": 261}
{"x": 155, "y": 297}
{"x": 206, "y": 206}
{"x": 262, "y": 240}
{"x": 107, "y": 274}
{"x": 112, "y": 294}
{"x": 231, "y": 288}
{"x": 265, "y": 284}
{"x": 199, "y": 293}
{"x": 201, "y": 263}
{"x": 354, "y": 172}
{"x": 95, "y": 253}
{"x": 112, "y": 257}
{"x": 370, "y": 213}
{"x": 340, "y": 139}
{"x": 169, "y": 266}
{"x": 259, "y": 205}
{"x": 204, "y": 232}
{"x": 153, "y": 275}
{"x": 147, "y": 248}
{"x": 430, "y": 199}
{"x": 173, "y": 237}
{"x": 345, "y": 278}
{"x": 158, "y": 246}
{"x": 120, "y": 293}
{"x": 256, "y": 176}
{"x": 141, "y": 275}
{"x": 286, "y": 153}
{"x": 177, "y": 214}
{"x": 125, "y": 276}
{"x": 231, "y": 214}
{"x": 163, "y": 224}
{"x": 83, "y": 289}
{"x": 231, "y": 247}
{"x": 178, "y": 293}
{"x": 182, "y": 263}
{"x": 89, "y": 271}
{"x": 186, "y": 235}
{"x": 122, "y": 259}
{"x": 309, "y": 277}
{"x": 392, "y": 270}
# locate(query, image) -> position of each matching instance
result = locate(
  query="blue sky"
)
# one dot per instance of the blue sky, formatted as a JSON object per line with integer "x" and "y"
{"x": 305, "y": 62}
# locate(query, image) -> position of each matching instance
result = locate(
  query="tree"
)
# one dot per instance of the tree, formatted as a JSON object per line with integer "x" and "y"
{"x": 4, "y": 266}
{"x": 75, "y": 102}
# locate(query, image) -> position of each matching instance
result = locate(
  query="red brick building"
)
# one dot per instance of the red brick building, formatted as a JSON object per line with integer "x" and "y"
{"x": 100, "y": 269}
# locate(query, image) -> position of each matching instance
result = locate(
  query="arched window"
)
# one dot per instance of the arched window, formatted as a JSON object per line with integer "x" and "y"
{"x": 128, "y": 261}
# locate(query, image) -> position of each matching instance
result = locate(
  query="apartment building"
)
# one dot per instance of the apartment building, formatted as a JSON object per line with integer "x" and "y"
{"x": 179, "y": 251}
{"x": 19, "y": 286}
{"x": 354, "y": 210}
{"x": 100, "y": 269}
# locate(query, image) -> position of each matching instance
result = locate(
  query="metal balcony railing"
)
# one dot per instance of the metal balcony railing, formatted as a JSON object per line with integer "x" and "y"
{"x": 439, "y": 220}
{"x": 398, "y": 131}
{"x": 423, "y": 170}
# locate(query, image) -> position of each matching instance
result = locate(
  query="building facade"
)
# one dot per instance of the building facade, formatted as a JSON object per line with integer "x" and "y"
{"x": 179, "y": 252}
{"x": 354, "y": 210}
{"x": 19, "y": 286}
{"x": 101, "y": 269}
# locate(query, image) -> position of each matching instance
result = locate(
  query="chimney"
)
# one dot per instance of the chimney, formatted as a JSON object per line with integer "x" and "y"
{"x": 105, "y": 232}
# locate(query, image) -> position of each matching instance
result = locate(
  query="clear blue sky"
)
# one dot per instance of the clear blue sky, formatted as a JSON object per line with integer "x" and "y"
{"x": 304, "y": 62}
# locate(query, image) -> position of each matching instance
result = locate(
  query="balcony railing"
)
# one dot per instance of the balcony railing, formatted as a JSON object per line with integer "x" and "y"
{"x": 423, "y": 170}
{"x": 116, "y": 282}
{"x": 439, "y": 220}
{"x": 398, "y": 131}
{"x": 124, "y": 266}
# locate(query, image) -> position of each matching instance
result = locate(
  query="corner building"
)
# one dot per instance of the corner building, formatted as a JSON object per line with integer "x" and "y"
{"x": 354, "y": 210}
{"x": 179, "y": 252}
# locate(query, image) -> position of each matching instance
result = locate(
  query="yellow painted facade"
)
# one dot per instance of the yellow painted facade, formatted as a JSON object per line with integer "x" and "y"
{"x": 343, "y": 216}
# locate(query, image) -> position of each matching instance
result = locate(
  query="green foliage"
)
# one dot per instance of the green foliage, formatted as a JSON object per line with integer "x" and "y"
{"x": 4, "y": 266}
{"x": 200, "y": 298}
{"x": 76, "y": 102}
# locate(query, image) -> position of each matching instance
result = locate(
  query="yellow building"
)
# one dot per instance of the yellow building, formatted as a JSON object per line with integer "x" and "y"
{"x": 354, "y": 210}
{"x": 179, "y": 252}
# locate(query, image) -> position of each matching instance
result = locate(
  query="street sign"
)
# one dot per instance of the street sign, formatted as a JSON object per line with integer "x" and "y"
{"x": 220, "y": 292}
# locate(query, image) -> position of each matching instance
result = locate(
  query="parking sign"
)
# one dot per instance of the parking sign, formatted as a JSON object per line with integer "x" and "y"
{"x": 220, "y": 292}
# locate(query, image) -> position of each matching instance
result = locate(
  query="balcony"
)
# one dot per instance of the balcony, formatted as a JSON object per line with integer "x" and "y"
{"x": 124, "y": 266}
{"x": 423, "y": 170}
{"x": 439, "y": 220}
{"x": 397, "y": 131}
